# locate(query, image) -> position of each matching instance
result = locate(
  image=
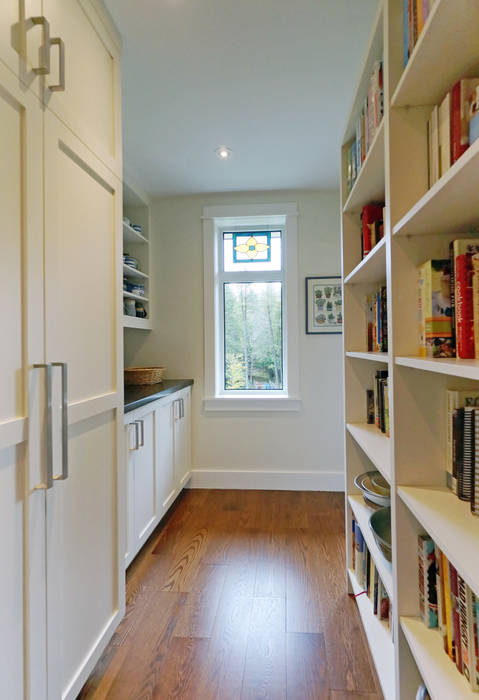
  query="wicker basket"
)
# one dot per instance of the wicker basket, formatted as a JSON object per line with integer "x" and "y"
{"x": 144, "y": 375}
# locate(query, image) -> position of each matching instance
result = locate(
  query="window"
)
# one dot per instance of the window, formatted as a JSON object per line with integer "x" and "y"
{"x": 251, "y": 308}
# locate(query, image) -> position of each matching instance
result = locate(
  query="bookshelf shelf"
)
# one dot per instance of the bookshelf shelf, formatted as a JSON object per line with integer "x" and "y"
{"x": 372, "y": 268}
{"x": 369, "y": 186}
{"x": 450, "y": 524}
{"x": 440, "y": 55}
{"x": 439, "y": 673}
{"x": 379, "y": 639}
{"x": 450, "y": 206}
{"x": 362, "y": 514}
{"x": 374, "y": 444}
{"x": 131, "y": 273}
{"x": 132, "y": 236}
{"x": 138, "y": 297}
{"x": 468, "y": 369}
{"x": 371, "y": 356}
{"x": 135, "y": 322}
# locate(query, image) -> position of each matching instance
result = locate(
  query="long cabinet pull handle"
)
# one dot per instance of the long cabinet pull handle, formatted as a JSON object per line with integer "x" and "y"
{"x": 140, "y": 424}
{"x": 137, "y": 435}
{"x": 60, "y": 86}
{"x": 182, "y": 408}
{"x": 49, "y": 419}
{"x": 44, "y": 67}
{"x": 64, "y": 474}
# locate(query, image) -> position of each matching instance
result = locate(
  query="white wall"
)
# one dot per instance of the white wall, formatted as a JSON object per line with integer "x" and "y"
{"x": 297, "y": 450}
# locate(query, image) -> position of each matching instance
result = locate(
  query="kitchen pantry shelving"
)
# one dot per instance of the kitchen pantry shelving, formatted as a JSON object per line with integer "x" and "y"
{"x": 419, "y": 223}
{"x": 136, "y": 244}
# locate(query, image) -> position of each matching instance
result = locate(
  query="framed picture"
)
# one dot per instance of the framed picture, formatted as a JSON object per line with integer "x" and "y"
{"x": 324, "y": 305}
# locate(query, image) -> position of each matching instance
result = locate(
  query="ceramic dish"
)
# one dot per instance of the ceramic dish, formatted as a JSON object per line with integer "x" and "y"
{"x": 374, "y": 488}
{"x": 380, "y": 523}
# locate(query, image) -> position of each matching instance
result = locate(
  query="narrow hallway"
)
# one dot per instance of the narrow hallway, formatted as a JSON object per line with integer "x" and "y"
{"x": 240, "y": 594}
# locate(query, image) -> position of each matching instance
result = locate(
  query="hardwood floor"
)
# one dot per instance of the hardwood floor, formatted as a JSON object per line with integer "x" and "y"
{"x": 240, "y": 594}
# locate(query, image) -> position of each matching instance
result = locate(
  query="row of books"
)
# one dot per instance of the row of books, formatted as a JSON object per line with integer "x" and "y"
{"x": 377, "y": 400}
{"x": 452, "y": 127}
{"x": 462, "y": 458}
{"x": 368, "y": 577}
{"x": 448, "y": 302}
{"x": 415, "y": 14}
{"x": 377, "y": 321}
{"x": 372, "y": 227}
{"x": 447, "y": 602}
{"x": 367, "y": 125}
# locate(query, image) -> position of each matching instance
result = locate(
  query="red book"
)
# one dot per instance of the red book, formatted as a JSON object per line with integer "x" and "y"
{"x": 461, "y": 95}
{"x": 370, "y": 214}
{"x": 464, "y": 308}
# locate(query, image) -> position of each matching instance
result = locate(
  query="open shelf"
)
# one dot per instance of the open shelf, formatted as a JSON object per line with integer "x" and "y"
{"x": 440, "y": 54}
{"x": 372, "y": 356}
{"x": 362, "y": 514}
{"x": 469, "y": 369}
{"x": 138, "y": 297}
{"x": 439, "y": 673}
{"x": 129, "y": 271}
{"x": 379, "y": 640}
{"x": 450, "y": 524}
{"x": 135, "y": 322}
{"x": 372, "y": 268}
{"x": 132, "y": 236}
{"x": 450, "y": 206}
{"x": 369, "y": 185}
{"x": 374, "y": 444}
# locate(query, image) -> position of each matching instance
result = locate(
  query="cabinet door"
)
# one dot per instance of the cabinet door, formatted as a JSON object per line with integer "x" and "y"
{"x": 91, "y": 102}
{"x": 130, "y": 451}
{"x": 182, "y": 440}
{"x": 84, "y": 530}
{"x": 22, "y": 346}
{"x": 166, "y": 461}
{"x": 145, "y": 480}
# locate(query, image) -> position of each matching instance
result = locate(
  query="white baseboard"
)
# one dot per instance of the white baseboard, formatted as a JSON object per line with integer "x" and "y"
{"x": 267, "y": 480}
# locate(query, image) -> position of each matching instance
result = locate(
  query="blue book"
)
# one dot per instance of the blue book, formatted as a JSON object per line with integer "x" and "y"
{"x": 405, "y": 24}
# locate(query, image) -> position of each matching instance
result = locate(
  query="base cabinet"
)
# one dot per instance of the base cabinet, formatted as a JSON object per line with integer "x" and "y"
{"x": 158, "y": 445}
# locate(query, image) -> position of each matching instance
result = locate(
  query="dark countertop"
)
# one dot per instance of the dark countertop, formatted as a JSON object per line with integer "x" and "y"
{"x": 137, "y": 396}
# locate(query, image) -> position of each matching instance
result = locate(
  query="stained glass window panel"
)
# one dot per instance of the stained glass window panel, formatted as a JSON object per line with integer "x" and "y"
{"x": 246, "y": 250}
{"x": 253, "y": 336}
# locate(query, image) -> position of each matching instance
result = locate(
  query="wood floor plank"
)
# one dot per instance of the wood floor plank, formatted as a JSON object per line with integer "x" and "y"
{"x": 199, "y": 612}
{"x": 265, "y": 667}
{"x": 240, "y": 594}
{"x": 306, "y": 667}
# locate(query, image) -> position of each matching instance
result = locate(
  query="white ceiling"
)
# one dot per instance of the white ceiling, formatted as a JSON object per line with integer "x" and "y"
{"x": 271, "y": 79}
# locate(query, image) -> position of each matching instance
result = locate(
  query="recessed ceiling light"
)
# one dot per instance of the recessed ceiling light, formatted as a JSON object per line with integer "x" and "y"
{"x": 223, "y": 152}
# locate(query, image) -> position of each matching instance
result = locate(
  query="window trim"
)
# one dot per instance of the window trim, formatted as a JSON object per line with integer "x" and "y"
{"x": 217, "y": 219}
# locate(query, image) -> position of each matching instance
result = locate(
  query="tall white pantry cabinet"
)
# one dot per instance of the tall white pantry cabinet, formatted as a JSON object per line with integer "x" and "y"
{"x": 61, "y": 409}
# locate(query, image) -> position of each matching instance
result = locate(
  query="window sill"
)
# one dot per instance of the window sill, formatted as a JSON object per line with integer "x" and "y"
{"x": 249, "y": 403}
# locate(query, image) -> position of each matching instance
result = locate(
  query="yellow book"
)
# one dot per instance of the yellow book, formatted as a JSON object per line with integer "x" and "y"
{"x": 447, "y": 604}
{"x": 420, "y": 17}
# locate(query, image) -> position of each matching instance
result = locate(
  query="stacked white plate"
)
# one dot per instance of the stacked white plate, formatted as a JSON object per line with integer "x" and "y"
{"x": 375, "y": 489}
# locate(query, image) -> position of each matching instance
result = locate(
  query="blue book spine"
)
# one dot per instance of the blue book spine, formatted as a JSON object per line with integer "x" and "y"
{"x": 405, "y": 24}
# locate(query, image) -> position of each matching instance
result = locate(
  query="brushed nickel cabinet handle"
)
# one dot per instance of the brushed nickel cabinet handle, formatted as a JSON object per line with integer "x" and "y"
{"x": 141, "y": 425}
{"x": 137, "y": 435}
{"x": 44, "y": 67}
{"x": 49, "y": 417}
{"x": 64, "y": 474}
{"x": 60, "y": 86}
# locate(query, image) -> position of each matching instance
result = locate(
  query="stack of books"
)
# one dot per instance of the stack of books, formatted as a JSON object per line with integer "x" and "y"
{"x": 448, "y": 302}
{"x": 377, "y": 400}
{"x": 372, "y": 227}
{"x": 368, "y": 577}
{"x": 452, "y": 127}
{"x": 462, "y": 456}
{"x": 377, "y": 321}
{"x": 366, "y": 125}
{"x": 447, "y": 602}
{"x": 415, "y": 14}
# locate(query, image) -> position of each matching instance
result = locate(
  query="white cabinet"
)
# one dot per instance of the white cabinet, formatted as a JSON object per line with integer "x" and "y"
{"x": 158, "y": 445}
{"x": 61, "y": 529}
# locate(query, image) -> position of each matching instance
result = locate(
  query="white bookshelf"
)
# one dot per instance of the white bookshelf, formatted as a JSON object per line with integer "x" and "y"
{"x": 137, "y": 244}
{"x": 419, "y": 225}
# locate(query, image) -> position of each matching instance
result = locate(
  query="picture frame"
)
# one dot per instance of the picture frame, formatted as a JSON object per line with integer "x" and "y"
{"x": 324, "y": 305}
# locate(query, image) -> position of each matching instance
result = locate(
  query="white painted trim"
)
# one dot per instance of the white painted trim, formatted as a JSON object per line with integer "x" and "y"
{"x": 13, "y": 432}
{"x": 266, "y": 480}
{"x": 252, "y": 403}
{"x": 249, "y": 210}
{"x": 87, "y": 408}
